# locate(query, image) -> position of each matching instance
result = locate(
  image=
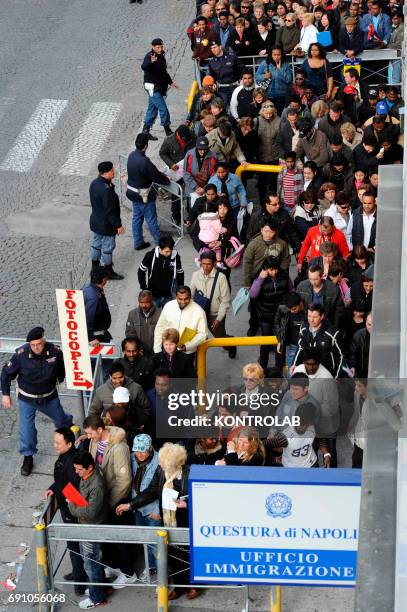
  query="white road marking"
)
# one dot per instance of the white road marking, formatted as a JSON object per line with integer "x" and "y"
{"x": 33, "y": 136}
{"x": 89, "y": 142}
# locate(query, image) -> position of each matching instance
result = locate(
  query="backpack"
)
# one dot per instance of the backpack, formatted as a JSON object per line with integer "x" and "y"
{"x": 235, "y": 258}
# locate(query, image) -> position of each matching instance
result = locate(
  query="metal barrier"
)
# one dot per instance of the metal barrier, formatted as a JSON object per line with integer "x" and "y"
{"x": 257, "y": 168}
{"x": 173, "y": 189}
{"x": 231, "y": 341}
{"x": 173, "y": 537}
{"x": 336, "y": 59}
{"x": 192, "y": 93}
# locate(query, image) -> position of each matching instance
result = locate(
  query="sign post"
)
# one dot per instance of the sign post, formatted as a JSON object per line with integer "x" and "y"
{"x": 275, "y": 526}
{"x": 74, "y": 339}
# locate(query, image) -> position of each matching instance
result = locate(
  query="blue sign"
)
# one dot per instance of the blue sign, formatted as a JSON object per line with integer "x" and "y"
{"x": 274, "y": 525}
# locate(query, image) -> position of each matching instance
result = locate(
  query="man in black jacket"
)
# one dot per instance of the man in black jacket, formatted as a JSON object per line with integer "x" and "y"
{"x": 317, "y": 290}
{"x": 350, "y": 38}
{"x": 161, "y": 271}
{"x": 141, "y": 174}
{"x": 105, "y": 220}
{"x": 360, "y": 349}
{"x": 286, "y": 229}
{"x": 136, "y": 366}
{"x": 156, "y": 83}
{"x": 64, "y": 473}
{"x": 319, "y": 334}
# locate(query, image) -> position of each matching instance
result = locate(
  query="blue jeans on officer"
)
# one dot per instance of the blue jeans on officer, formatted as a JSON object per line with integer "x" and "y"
{"x": 27, "y": 430}
{"x": 147, "y": 211}
{"x": 157, "y": 104}
{"x": 101, "y": 248}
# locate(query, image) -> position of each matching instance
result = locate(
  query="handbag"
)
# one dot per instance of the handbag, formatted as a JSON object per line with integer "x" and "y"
{"x": 242, "y": 296}
{"x": 234, "y": 259}
{"x": 202, "y": 300}
{"x": 265, "y": 82}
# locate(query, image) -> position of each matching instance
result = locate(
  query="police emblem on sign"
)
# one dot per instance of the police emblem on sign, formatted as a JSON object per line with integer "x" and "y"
{"x": 278, "y": 505}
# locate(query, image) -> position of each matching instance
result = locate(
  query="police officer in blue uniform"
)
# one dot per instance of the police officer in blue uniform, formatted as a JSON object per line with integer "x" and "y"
{"x": 105, "y": 222}
{"x": 38, "y": 366}
{"x": 141, "y": 173}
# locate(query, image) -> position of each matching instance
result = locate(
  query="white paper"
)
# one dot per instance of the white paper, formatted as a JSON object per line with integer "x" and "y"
{"x": 168, "y": 499}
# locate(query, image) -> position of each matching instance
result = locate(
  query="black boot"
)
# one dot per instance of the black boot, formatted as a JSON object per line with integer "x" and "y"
{"x": 27, "y": 466}
{"x": 95, "y": 263}
{"x": 146, "y": 130}
{"x": 168, "y": 130}
{"x": 112, "y": 274}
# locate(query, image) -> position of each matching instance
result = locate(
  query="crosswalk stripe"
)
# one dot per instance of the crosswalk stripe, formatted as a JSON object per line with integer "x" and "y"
{"x": 89, "y": 142}
{"x": 33, "y": 136}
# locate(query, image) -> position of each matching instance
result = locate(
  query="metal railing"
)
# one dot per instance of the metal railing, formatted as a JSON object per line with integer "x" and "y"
{"x": 173, "y": 189}
{"x": 257, "y": 168}
{"x": 335, "y": 59}
{"x": 167, "y": 541}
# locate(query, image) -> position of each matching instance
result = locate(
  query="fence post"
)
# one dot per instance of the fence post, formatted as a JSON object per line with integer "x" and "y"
{"x": 162, "y": 571}
{"x": 42, "y": 564}
{"x": 276, "y": 604}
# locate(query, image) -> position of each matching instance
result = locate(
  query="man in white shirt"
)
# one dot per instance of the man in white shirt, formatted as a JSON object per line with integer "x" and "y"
{"x": 182, "y": 313}
{"x": 323, "y": 388}
{"x": 362, "y": 224}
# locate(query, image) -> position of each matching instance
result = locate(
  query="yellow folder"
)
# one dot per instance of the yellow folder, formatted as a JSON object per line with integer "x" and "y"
{"x": 187, "y": 335}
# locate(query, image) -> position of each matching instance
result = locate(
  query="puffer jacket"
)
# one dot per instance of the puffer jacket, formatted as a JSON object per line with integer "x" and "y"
{"x": 209, "y": 227}
{"x": 115, "y": 465}
{"x": 267, "y": 131}
{"x": 268, "y": 294}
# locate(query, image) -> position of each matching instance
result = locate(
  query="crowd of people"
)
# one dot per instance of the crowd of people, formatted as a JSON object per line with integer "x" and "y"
{"x": 305, "y": 239}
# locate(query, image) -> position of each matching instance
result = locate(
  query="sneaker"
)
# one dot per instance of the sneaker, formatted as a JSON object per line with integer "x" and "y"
{"x": 111, "y": 572}
{"x": 122, "y": 580}
{"x": 143, "y": 576}
{"x": 27, "y": 466}
{"x": 88, "y": 604}
{"x": 115, "y": 276}
{"x": 220, "y": 266}
{"x": 232, "y": 350}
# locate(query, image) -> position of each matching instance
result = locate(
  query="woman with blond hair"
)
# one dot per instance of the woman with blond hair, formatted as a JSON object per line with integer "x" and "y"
{"x": 350, "y": 136}
{"x": 308, "y": 34}
{"x": 246, "y": 449}
{"x": 169, "y": 486}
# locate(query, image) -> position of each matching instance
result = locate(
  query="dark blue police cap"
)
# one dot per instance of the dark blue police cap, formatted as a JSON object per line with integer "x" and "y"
{"x": 35, "y": 334}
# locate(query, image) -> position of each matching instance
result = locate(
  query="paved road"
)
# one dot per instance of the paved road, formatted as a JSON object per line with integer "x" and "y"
{"x": 71, "y": 95}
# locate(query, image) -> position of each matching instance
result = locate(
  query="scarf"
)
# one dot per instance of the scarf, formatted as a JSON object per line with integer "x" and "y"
{"x": 170, "y": 516}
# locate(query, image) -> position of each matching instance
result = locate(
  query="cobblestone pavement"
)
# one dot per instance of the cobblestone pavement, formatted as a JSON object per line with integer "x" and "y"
{"x": 84, "y": 53}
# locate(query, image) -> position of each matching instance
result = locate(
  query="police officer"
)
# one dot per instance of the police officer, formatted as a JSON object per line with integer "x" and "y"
{"x": 141, "y": 173}
{"x": 105, "y": 220}
{"x": 38, "y": 366}
{"x": 98, "y": 317}
{"x": 156, "y": 83}
{"x": 224, "y": 69}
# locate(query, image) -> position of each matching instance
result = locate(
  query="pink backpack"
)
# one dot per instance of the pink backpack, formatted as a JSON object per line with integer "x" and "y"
{"x": 235, "y": 258}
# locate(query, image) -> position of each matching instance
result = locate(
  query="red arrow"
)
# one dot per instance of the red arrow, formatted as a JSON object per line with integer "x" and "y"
{"x": 83, "y": 383}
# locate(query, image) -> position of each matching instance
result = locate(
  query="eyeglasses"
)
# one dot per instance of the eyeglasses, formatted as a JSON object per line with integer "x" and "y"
{"x": 289, "y": 21}
{"x": 343, "y": 205}
{"x": 250, "y": 379}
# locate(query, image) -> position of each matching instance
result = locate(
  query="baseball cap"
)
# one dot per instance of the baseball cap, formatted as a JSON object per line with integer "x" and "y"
{"x": 121, "y": 395}
{"x": 373, "y": 93}
{"x": 382, "y": 108}
{"x": 202, "y": 143}
{"x": 348, "y": 89}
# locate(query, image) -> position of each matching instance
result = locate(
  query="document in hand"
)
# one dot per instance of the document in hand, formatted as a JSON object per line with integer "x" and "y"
{"x": 72, "y": 494}
{"x": 187, "y": 335}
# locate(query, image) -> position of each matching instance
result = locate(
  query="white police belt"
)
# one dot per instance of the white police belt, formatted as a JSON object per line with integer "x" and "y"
{"x": 228, "y": 84}
{"x": 40, "y": 396}
{"x": 99, "y": 333}
{"x": 143, "y": 193}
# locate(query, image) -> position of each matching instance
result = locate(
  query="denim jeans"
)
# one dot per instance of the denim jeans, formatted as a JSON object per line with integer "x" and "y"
{"x": 92, "y": 557}
{"x": 147, "y": 521}
{"x": 291, "y": 352}
{"x": 148, "y": 212}
{"x": 78, "y": 569}
{"x": 394, "y": 72}
{"x": 27, "y": 430}
{"x": 157, "y": 104}
{"x": 101, "y": 248}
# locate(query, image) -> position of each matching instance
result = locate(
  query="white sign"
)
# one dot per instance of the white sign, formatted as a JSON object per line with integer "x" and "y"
{"x": 74, "y": 339}
{"x": 274, "y": 525}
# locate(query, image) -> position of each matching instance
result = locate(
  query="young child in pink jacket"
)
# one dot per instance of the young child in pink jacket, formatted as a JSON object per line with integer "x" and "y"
{"x": 210, "y": 229}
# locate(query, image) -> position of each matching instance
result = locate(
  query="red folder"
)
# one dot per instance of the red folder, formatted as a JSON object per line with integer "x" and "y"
{"x": 73, "y": 495}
